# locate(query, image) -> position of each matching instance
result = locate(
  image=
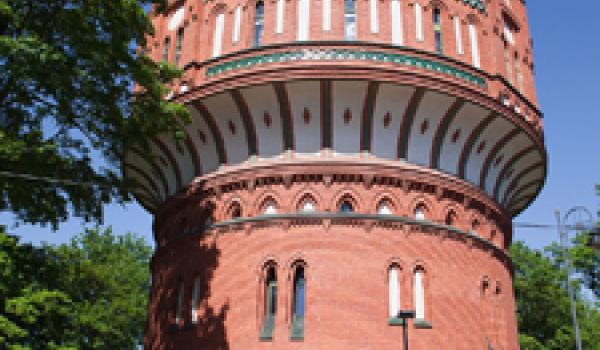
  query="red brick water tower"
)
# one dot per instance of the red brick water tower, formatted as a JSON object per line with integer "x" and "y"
{"x": 346, "y": 159}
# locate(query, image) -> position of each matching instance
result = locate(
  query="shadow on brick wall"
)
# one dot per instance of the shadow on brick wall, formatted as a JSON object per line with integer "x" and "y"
{"x": 190, "y": 259}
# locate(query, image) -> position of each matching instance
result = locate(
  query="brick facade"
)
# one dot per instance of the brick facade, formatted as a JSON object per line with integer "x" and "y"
{"x": 453, "y": 157}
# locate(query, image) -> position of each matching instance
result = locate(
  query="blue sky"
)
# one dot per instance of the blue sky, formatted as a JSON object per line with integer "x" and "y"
{"x": 567, "y": 63}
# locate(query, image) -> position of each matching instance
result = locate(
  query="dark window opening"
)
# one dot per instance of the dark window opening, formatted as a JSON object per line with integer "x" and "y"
{"x": 268, "y": 327}
{"x": 259, "y": 22}
{"x": 178, "y": 44}
{"x": 346, "y": 207}
{"x": 437, "y": 28}
{"x": 166, "y": 44}
{"x": 298, "y": 307}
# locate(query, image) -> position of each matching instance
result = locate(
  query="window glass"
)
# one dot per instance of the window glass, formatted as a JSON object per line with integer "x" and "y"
{"x": 178, "y": 44}
{"x": 165, "y": 55}
{"x": 299, "y": 292}
{"x": 259, "y": 19}
{"x": 437, "y": 27}
{"x": 350, "y": 19}
{"x": 346, "y": 207}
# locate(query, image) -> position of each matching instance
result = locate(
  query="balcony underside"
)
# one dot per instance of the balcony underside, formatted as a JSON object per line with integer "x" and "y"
{"x": 348, "y": 119}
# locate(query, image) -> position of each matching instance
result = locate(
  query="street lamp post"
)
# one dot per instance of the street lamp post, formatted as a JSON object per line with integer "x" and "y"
{"x": 582, "y": 221}
{"x": 405, "y": 315}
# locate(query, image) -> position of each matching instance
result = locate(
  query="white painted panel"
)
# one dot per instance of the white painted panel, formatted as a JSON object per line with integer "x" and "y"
{"x": 347, "y": 95}
{"x": 218, "y": 36}
{"x": 279, "y": 16}
{"x": 432, "y": 108}
{"x": 393, "y": 99}
{"x": 394, "y": 292}
{"x": 237, "y": 23}
{"x": 303, "y": 20}
{"x": 397, "y": 23}
{"x": 419, "y": 22}
{"x": 474, "y": 45}
{"x": 374, "y": 16}
{"x": 494, "y": 132}
{"x": 262, "y": 99}
{"x": 207, "y": 150}
{"x": 224, "y": 109}
{"x": 306, "y": 94}
{"x": 520, "y": 165}
{"x": 176, "y": 18}
{"x": 517, "y": 144}
{"x": 458, "y": 36}
{"x": 184, "y": 161}
{"x": 466, "y": 120}
{"x": 326, "y": 14}
{"x": 419, "y": 296}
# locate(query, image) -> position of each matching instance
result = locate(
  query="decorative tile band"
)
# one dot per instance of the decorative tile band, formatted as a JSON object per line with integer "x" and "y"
{"x": 343, "y": 55}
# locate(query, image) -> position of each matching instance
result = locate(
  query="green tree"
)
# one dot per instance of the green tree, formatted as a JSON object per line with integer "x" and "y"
{"x": 543, "y": 307}
{"x": 89, "y": 294}
{"x": 67, "y": 71}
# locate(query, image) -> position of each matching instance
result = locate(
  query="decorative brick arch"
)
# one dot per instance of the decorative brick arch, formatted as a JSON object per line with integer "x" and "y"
{"x": 396, "y": 205}
{"x": 347, "y": 194}
{"x": 305, "y": 193}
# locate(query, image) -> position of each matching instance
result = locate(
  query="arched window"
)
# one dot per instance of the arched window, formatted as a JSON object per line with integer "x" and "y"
{"x": 420, "y": 212}
{"x": 394, "y": 294}
{"x": 298, "y": 304}
{"x": 346, "y": 206}
{"x": 420, "y": 298}
{"x": 474, "y": 45}
{"x": 195, "y": 299}
{"x": 259, "y": 21}
{"x": 218, "y": 34}
{"x": 397, "y": 30}
{"x": 235, "y": 211}
{"x": 450, "y": 218}
{"x": 270, "y": 207}
{"x": 178, "y": 45}
{"x": 237, "y": 24}
{"x": 270, "y": 290}
{"x": 419, "y": 22}
{"x": 384, "y": 208}
{"x": 437, "y": 30}
{"x": 179, "y": 305}
{"x": 166, "y": 44}
{"x": 475, "y": 226}
{"x": 307, "y": 204}
{"x": 303, "y": 20}
{"x": 350, "y": 19}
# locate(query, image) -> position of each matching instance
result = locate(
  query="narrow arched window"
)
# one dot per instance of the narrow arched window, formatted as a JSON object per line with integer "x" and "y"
{"x": 166, "y": 44}
{"x": 397, "y": 30}
{"x": 218, "y": 34}
{"x": 394, "y": 294}
{"x": 350, "y": 19}
{"x": 270, "y": 299}
{"x": 419, "y": 22}
{"x": 178, "y": 45}
{"x": 475, "y": 226}
{"x": 298, "y": 304}
{"x": 474, "y": 45}
{"x": 237, "y": 24}
{"x": 179, "y": 305}
{"x": 419, "y": 295}
{"x": 195, "y": 299}
{"x": 259, "y": 22}
{"x": 437, "y": 30}
{"x": 303, "y": 20}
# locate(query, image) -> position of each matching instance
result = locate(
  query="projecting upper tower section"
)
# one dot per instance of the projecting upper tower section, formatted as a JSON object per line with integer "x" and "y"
{"x": 443, "y": 85}
{"x": 487, "y": 35}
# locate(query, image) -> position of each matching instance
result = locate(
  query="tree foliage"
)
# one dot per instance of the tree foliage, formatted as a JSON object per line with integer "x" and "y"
{"x": 543, "y": 307}
{"x": 89, "y": 294}
{"x": 67, "y": 71}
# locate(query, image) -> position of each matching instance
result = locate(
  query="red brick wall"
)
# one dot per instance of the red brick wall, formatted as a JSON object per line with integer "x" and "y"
{"x": 200, "y": 21}
{"x": 347, "y": 292}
